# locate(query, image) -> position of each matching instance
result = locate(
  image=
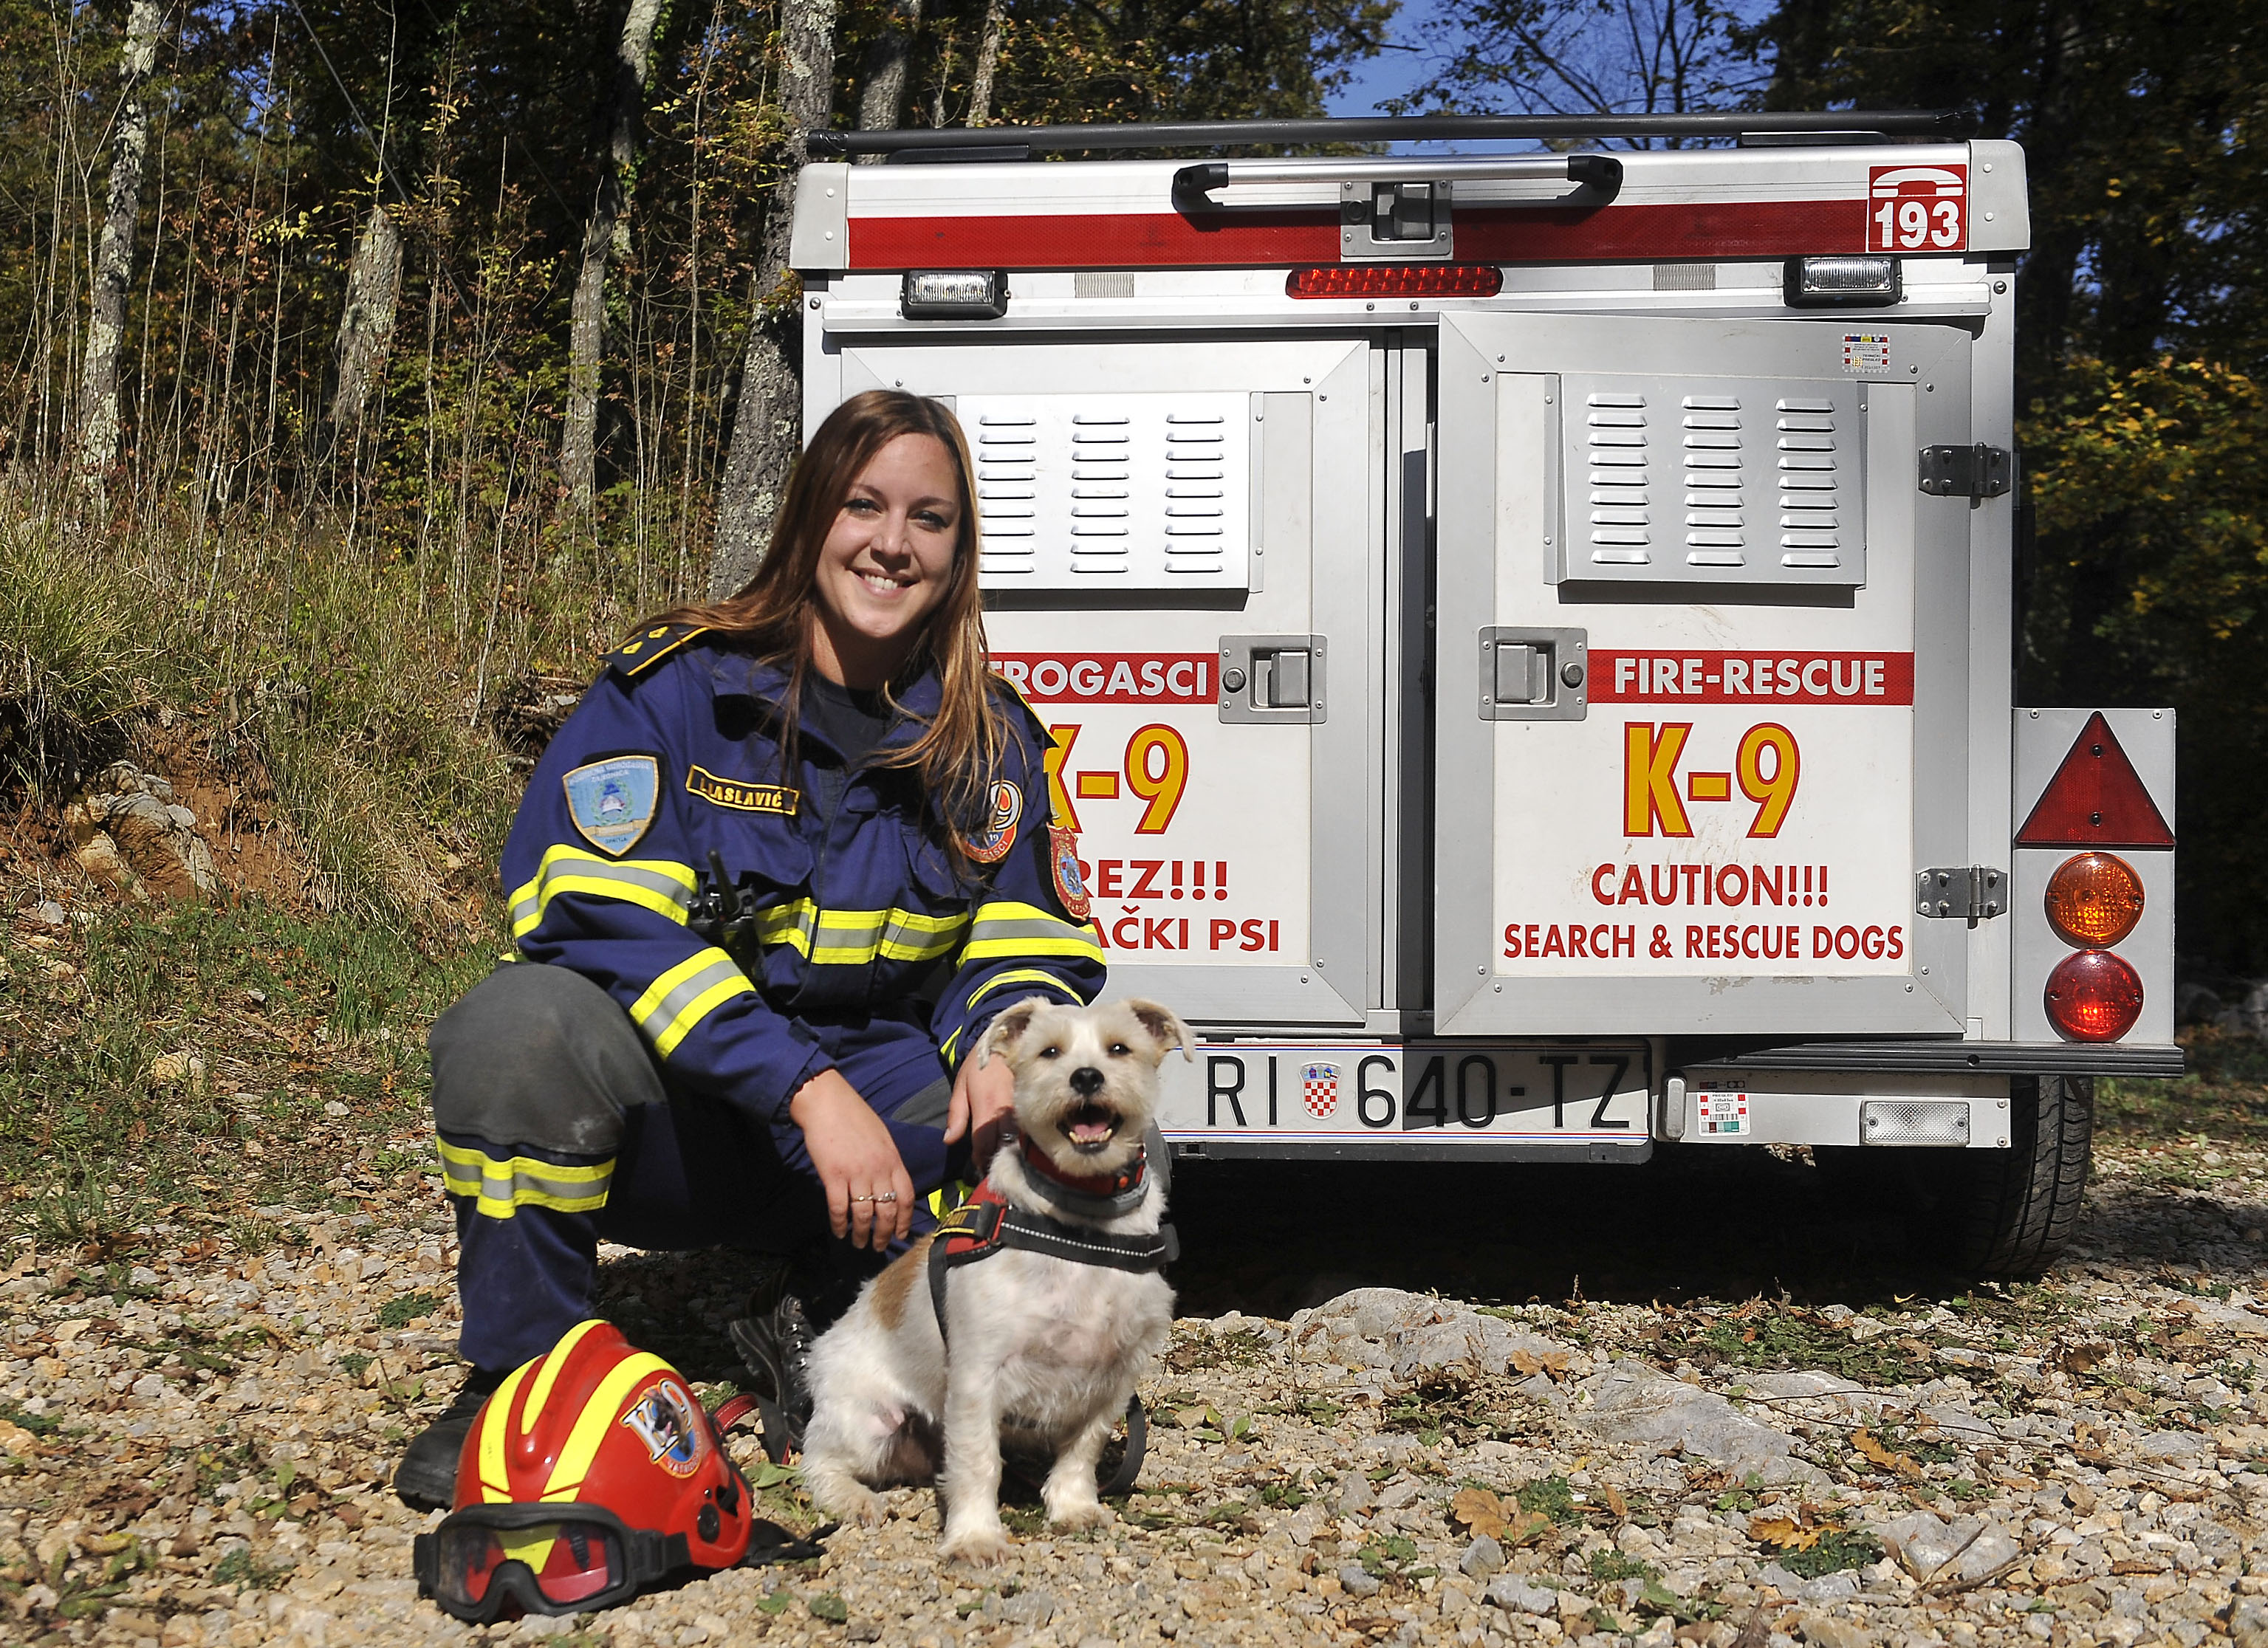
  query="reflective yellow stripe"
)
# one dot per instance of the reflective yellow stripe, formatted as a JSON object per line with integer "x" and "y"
{"x": 495, "y": 1480}
{"x": 654, "y": 883}
{"x": 596, "y": 1419}
{"x": 855, "y": 937}
{"x": 1005, "y": 929}
{"x": 1020, "y": 975}
{"x": 539, "y": 1393}
{"x": 688, "y": 993}
{"x": 501, "y": 1186}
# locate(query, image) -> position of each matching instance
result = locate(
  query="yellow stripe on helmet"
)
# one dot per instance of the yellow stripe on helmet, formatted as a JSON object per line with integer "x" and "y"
{"x": 495, "y": 1478}
{"x": 553, "y": 1363}
{"x": 597, "y": 1418}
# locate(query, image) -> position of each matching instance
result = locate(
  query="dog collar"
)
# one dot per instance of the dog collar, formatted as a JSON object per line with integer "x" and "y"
{"x": 1099, "y": 1196}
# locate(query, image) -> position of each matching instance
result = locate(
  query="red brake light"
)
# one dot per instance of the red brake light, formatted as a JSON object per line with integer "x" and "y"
{"x": 2092, "y": 995}
{"x": 2095, "y": 800}
{"x": 1395, "y": 280}
{"x": 2094, "y": 898}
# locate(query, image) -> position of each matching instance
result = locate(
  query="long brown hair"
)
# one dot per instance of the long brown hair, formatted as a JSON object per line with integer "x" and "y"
{"x": 772, "y": 615}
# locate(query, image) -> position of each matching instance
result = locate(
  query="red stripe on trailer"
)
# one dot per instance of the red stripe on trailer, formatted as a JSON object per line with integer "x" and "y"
{"x": 1097, "y": 240}
{"x": 1311, "y": 235}
{"x": 1727, "y": 228}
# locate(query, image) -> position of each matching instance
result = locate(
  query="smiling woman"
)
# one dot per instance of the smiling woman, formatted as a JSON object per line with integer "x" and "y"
{"x": 786, "y": 862}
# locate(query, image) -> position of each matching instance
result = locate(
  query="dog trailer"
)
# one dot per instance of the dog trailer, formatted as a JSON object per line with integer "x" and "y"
{"x": 1528, "y": 637}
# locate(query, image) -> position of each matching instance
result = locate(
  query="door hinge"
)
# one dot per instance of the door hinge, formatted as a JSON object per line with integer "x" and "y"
{"x": 1974, "y": 895}
{"x": 1974, "y": 472}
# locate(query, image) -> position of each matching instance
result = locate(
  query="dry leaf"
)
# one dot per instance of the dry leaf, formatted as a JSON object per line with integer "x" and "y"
{"x": 1782, "y": 1531}
{"x": 1523, "y": 1527}
{"x": 1480, "y": 1511}
{"x": 2079, "y": 1358}
{"x": 1551, "y": 1362}
{"x": 1871, "y": 1445}
{"x": 1616, "y": 1503}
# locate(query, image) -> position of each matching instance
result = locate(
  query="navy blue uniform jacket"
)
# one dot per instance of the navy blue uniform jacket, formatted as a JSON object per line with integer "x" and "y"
{"x": 869, "y": 950}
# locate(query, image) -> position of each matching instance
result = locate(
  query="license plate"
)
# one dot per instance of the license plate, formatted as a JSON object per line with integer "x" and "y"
{"x": 1424, "y": 1092}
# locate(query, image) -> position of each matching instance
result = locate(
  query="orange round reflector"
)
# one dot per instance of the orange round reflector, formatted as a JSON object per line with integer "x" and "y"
{"x": 2094, "y": 996}
{"x": 2094, "y": 898}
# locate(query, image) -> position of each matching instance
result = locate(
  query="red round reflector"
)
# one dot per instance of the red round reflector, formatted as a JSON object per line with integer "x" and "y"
{"x": 1395, "y": 280}
{"x": 2094, "y": 898}
{"x": 2092, "y": 995}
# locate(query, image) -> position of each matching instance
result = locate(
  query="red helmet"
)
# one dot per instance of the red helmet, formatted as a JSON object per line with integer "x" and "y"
{"x": 591, "y": 1473}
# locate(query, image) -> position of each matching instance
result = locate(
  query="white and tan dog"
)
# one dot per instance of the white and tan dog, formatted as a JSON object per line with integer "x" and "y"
{"x": 1052, "y": 1344}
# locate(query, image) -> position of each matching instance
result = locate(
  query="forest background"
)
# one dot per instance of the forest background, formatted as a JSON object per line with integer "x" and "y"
{"x": 372, "y": 364}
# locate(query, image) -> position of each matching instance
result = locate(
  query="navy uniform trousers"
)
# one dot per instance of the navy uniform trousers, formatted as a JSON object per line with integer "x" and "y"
{"x": 559, "y": 1128}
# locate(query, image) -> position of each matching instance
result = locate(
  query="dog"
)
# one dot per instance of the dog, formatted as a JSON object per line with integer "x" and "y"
{"x": 1052, "y": 1344}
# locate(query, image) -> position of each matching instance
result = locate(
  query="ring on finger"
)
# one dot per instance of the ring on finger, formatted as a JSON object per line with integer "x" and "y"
{"x": 864, "y": 1198}
{"x": 884, "y": 1195}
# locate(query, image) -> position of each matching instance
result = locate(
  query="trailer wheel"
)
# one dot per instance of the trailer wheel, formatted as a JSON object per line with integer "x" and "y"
{"x": 2013, "y": 1210}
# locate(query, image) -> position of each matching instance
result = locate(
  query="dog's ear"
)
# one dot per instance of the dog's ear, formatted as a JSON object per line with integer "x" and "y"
{"x": 1165, "y": 1026}
{"x": 1004, "y": 1031}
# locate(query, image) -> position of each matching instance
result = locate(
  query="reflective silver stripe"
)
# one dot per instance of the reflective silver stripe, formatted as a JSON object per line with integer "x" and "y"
{"x": 682, "y": 997}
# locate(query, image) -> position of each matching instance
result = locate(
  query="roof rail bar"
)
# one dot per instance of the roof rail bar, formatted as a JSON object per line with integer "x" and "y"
{"x": 1017, "y": 142}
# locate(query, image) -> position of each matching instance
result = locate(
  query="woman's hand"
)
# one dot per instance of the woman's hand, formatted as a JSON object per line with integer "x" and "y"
{"x": 869, "y": 1197}
{"x": 983, "y": 1099}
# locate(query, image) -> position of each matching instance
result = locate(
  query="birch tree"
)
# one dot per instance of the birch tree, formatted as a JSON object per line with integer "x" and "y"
{"x": 366, "y": 325}
{"x": 105, "y": 328}
{"x": 770, "y": 403}
{"x": 605, "y": 235}
{"x": 882, "y": 98}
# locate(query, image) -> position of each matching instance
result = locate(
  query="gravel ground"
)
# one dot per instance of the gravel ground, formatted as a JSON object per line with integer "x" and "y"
{"x": 1600, "y": 1445}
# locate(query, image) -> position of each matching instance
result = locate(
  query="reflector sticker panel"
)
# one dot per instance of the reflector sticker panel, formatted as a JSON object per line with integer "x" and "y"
{"x": 2096, "y": 799}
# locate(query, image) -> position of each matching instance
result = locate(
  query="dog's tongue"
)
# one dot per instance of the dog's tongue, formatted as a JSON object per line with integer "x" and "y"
{"x": 1090, "y": 1129}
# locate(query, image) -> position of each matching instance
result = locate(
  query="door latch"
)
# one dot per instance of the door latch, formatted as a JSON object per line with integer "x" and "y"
{"x": 1534, "y": 675}
{"x": 1272, "y": 678}
{"x": 1974, "y": 894}
{"x": 1971, "y": 472}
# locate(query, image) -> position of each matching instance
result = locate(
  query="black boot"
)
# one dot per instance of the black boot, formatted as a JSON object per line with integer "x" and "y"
{"x": 427, "y": 1477}
{"x": 775, "y": 1349}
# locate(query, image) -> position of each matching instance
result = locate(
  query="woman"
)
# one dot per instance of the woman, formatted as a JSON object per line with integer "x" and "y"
{"x": 778, "y": 871}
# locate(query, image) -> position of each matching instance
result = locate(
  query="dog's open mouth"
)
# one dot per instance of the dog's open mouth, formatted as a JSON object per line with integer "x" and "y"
{"x": 1091, "y": 1127}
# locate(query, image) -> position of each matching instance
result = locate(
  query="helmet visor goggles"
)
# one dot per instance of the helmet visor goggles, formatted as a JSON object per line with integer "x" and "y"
{"x": 546, "y": 1558}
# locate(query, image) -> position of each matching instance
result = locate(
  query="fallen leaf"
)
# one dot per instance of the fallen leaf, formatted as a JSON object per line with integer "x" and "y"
{"x": 1480, "y": 1511}
{"x": 1551, "y": 1362}
{"x": 1782, "y": 1531}
{"x": 1887, "y": 1458}
{"x": 1616, "y": 1503}
{"x": 1523, "y": 1527}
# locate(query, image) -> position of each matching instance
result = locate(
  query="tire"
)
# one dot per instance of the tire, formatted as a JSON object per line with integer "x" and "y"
{"x": 2012, "y": 1211}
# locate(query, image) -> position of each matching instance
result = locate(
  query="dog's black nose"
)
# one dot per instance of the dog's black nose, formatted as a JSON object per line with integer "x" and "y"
{"x": 1086, "y": 1081}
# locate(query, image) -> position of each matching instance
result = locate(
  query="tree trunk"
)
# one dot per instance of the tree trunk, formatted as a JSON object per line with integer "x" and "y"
{"x": 604, "y": 236}
{"x": 366, "y": 326}
{"x": 882, "y": 100}
{"x": 988, "y": 59}
{"x": 106, "y": 327}
{"x": 771, "y": 371}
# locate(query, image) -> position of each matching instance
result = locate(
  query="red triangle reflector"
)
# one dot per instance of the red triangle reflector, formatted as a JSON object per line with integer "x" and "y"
{"x": 2095, "y": 800}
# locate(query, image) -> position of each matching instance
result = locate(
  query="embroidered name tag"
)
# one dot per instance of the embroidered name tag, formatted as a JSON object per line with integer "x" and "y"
{"x": 747, "y": 798}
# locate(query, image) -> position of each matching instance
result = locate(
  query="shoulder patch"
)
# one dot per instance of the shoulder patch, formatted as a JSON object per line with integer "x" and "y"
{"x": 1070, "y": 879}
{"x": 649, "y": 646}
{"x": 991, "y": 844}
{"x": 613, "y": 801}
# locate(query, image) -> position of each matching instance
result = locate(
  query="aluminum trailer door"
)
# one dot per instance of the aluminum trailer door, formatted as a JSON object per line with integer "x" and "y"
{"x": 1703, "y": 664}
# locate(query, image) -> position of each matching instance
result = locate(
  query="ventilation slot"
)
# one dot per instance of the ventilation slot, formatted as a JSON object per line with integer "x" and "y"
{"x": 1811, "y": 503}
{"x": 1622, "y": 532}
{"x": 1715, "y": 535}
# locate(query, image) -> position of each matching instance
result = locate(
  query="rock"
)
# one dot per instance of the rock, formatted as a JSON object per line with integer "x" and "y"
{"x": 1356, "y": 1494}
{"x": 173, "y": 1069}
{"x": 1516, "y": 1593}
{"x": 128, "y": 833}
{"x": 46, "y": 913}
{"x": 2174, "y": 1444}
{"x": 1424, "y": 1335}
{"x": 1356, "y": 1581}
{"x": 2248, "y": 1627}
{"x": 1824, "y": 1630}
{"x": 1029, "y": 1608}
{"x": 1831, "y": 1587}
{"x": 1929, "y": 1548}
{"x": 1633, "y": 1404}
{"x": 1483, "y": 1557}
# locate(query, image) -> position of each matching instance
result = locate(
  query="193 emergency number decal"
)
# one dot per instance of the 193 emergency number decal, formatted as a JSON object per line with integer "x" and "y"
{"x": 1447, "y": 1092}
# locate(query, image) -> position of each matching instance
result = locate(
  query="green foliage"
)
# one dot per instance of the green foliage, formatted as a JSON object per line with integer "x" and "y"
{"x": 1608, "y": 1566}
{"x": 1549, "y": 1496}
{"x": 407, "y": 1307}
{"x": 1837, "y": 1549}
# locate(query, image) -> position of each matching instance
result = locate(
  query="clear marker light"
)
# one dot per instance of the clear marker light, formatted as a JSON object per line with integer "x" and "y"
{"x": 1847, "y": 281}
{"x": 954, "y": 295}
